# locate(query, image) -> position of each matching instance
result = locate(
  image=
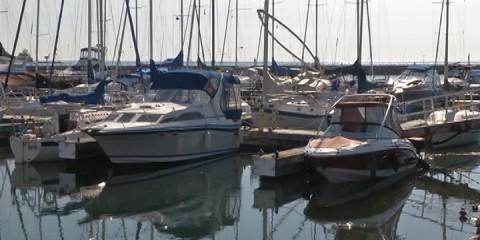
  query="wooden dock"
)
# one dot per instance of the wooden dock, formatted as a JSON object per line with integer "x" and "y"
{"x": 275, "y": 162}
{"x": 279, "y": 163}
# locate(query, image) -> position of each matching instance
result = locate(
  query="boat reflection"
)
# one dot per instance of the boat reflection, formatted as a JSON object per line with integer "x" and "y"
{"x": 363, "y": 210}
{"x": 274, "y": 193}
{"x": 188, "y": 201}
{"x": 45, "y": 183}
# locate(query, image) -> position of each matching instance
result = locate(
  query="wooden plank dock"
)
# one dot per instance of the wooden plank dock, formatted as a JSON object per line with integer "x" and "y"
{"x": 275, "y": 162}
{"x": 279, "y": 163}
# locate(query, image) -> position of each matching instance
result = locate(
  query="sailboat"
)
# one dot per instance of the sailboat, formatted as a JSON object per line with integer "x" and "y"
{"x": 449, "y": 118}
{"x": 290, "y": 102}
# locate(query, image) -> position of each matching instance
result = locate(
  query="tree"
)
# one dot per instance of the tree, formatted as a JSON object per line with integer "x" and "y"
{"x": 25, "y": 55}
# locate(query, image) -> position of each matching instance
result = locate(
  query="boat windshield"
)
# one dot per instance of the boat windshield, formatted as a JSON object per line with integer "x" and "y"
{"x": 359, "y": 131}
{"x": 181, "y": 96}
{"x": 408, "y": 75}
{"x": 364, "y": 120}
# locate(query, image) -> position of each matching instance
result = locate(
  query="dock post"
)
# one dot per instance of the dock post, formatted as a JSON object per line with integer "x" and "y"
{"x": 274, "y": 124}
{"x": 260, "y": 119}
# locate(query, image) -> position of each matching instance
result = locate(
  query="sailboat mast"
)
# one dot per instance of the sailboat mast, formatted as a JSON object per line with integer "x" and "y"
{"x": 445, "y": 65}
{"x": 273, "y": 28}
{"x": 213, "y": 34}
{"x": 359, "y": 29}
{"x": 36, "y": 37}
{"x": 316, "y": 31}
{"x": 89, "y": 31}
{"x": 181, "y": 23}
{"x": 265, "y": 54}
{"x": 236, "y": 34}
{"x": 101, "y": 50}
{"x": 151, "y": 29}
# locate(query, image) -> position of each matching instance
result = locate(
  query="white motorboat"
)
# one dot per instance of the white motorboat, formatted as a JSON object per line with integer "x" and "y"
{"x": 363, "y": 141}
{"x": 446, "y": 134}
{"x": 194, "y": 114}
{"x": 417, "y": 82}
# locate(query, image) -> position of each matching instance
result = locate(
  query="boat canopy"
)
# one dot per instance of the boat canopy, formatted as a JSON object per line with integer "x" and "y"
{"x": 418, "y": 68}
{"x": 348, "y": 113}
{"x": 191, "y": 79}
{"x": 95, "y": 97}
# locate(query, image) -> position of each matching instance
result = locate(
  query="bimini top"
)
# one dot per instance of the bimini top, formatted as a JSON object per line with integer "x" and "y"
{"x": 189, "y": 79}
{"x": 419, "y": 68}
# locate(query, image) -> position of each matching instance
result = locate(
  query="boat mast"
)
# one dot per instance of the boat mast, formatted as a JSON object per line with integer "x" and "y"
{"x": 236, "y": 35}
{"x": 213, "y": 34}
{"x": 151, "y": 29}
{"x": 14, "y": 47}
{"x": 445, "y": 65}
{"x": 56, "y": 39}
{"x": 273, "y": 28}
{"x": 89, "y": 33}
{"x": 181, "y": 24}
{"x": 100, "y": 50}
{"x": 36, "y": 37}
{"x": 359, "y": 30}
{"x": 265, "y": 54}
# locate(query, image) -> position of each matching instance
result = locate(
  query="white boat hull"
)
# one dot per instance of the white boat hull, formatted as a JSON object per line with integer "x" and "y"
{"x": 453, "y": 139}
{"x": 33, "y": 150}
{"x": 355, "y": 163}
{"x": 170, "y": 146}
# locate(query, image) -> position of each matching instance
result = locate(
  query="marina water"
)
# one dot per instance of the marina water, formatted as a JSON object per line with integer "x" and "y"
{"x": 222, "y": 199}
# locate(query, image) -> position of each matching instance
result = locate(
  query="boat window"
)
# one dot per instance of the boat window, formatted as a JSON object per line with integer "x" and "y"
{"x": 375, "y": 114}
{"x": 349, "y": 114}
{"x": 230, "y": 102}
{"x": 112, "y": 116}
{"x": 211, "y": 86}
{"x": 359, "y": 131}
{"x": 189, "y": 116}
{"x": 473, "y": 79}
{"x": 412, "y": 75}
{"x": 149, "y": 117}
{"x": 181, "y": 96}
{"x": 126, "y": 117}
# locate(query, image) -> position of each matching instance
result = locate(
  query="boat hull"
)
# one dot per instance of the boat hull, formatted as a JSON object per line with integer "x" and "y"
{"x": 168, "y": 146}
{"x": 33, "y": 150}
{"x": 454, "y": 139}
{"x": 356, "y": 167}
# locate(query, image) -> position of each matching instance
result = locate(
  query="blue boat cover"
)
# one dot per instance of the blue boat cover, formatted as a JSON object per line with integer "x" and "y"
{"x": 175, "y": 62}
{"x": 283, "y": 71}
{"x": 95, "y": 97}
{"x": 187, "y": 79}
{"x": 418, "y": 68}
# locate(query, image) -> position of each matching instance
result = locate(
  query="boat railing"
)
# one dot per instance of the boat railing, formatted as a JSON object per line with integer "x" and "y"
{"x": 467, "y": 100}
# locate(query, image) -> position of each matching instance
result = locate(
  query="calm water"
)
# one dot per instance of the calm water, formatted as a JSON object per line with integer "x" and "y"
{"x": 224, "y": 200}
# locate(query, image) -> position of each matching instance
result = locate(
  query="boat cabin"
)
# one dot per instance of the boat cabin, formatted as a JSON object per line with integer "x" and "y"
{"x": 363, "y": 120}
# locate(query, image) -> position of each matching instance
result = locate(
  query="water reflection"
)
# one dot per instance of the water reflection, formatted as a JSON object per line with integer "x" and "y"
{"x": 363, "y": 210}
{"x": 96, "y": 200}
{"x": 189, "y": 201}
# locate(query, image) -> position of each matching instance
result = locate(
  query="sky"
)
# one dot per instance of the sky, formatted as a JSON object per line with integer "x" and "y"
{"x": 400, "y": 31}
